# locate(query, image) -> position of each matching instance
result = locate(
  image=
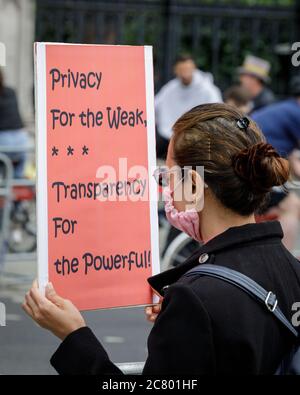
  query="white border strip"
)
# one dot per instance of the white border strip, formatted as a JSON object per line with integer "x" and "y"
{"x": 152, "y": 162}
{"x": 41, "y": 161}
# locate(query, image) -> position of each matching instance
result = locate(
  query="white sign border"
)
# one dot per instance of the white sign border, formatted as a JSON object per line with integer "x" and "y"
{"x": 41, "y": 161}
{"x": 152, "y": 162}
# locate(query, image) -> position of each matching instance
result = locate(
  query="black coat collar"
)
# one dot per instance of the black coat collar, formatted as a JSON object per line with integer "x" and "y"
{"x": 231, "y": 238}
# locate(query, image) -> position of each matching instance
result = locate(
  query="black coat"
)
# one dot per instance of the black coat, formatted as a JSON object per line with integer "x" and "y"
{"x": 207, "y": 326}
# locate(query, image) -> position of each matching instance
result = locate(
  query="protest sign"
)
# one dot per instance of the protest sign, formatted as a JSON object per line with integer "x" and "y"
{"x": 97, "y": 206}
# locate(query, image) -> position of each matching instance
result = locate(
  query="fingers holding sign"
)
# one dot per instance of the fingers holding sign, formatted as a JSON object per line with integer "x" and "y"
{"x": 153, "y": 311}
{"x": 52, "y": 312}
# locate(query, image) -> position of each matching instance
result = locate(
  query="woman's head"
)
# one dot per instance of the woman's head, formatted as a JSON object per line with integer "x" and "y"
{"x": 240, "y": 168}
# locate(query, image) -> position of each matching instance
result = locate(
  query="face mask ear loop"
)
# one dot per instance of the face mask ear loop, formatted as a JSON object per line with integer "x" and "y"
{"x": 177, "y": 184}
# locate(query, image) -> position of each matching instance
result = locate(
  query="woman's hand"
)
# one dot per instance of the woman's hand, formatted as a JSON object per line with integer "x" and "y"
{"x": 52, "y": 312}
{"x": 153, "y": 311}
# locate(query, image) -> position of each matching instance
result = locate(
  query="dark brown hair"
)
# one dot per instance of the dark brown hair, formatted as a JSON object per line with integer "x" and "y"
{"x": 239, "y": 166}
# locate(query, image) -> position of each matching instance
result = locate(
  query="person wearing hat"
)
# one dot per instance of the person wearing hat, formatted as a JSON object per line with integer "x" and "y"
{"x": 254, "y": 76}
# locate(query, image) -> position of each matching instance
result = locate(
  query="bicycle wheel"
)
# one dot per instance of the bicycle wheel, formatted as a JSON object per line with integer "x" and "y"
{"x": 178, "y": 251}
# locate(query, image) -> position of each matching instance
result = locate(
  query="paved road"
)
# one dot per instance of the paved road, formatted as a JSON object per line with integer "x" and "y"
{"x": 26, "y": 349}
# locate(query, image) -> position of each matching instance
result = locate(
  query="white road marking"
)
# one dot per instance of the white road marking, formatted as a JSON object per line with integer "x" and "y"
{"x": 113, "y": 339}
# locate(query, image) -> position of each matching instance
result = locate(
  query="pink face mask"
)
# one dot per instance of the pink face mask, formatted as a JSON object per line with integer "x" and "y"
{"x": 186, "y": 221}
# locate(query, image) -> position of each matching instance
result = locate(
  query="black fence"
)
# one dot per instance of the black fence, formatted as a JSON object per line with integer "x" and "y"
{"x": 217, "y": 33}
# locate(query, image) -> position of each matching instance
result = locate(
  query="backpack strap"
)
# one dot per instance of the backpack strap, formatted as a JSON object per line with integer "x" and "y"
{"x": 246, "y": 284}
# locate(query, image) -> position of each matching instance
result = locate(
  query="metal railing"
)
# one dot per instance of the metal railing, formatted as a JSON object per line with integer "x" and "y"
{"x": 217, "y": 33}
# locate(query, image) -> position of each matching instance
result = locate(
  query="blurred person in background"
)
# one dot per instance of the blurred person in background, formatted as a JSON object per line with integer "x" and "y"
{"x": 254, "y": 77}
{"x": 191, "y": 87}
{"x": 280, "y": 123}
{"x": 237, "y": 96}
{"x": 12, "y": 132}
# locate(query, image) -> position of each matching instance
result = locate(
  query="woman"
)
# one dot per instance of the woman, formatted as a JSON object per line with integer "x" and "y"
{"x": 203, "y": 325}
{"x": 12, "y": 132}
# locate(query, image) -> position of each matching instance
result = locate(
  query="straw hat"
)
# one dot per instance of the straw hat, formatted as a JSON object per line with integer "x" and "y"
{"x": 256, "y": 67}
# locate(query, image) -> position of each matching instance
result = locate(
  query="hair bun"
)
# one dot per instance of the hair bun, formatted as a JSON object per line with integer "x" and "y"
{"x": 261, "y": 166}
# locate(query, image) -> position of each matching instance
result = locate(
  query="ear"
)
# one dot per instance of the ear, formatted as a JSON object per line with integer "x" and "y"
{"x": 198, "y": 186}
{"x": 197, "y": 181}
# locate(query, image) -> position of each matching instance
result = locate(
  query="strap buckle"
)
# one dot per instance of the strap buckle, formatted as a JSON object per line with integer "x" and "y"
{"x": 271, "y": 305}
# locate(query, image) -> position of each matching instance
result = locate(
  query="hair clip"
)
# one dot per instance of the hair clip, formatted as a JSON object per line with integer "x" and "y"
{"x": 243, "y": 123}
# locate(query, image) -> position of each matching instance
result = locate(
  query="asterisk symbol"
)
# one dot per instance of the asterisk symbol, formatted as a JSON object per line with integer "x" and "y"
{"x": 70, "y": 150}
{"x": 85, "y": 150}
{"x": 54, "y": 151}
